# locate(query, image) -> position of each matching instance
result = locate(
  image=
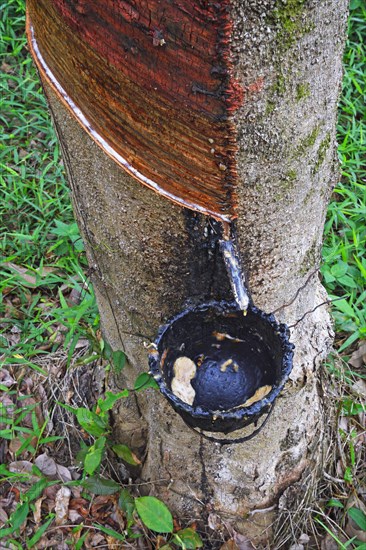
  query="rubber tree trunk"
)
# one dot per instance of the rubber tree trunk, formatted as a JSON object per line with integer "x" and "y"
{"x": 151, "y": 258}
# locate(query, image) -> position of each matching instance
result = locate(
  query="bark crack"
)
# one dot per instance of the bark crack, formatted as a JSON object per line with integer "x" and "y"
{"x": 205, "y": 485}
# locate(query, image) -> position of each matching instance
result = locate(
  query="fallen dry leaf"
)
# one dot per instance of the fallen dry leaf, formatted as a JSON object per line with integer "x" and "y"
{"x": 242, "y": 542}
{"x": 8, "y": 405}
{"x": 51, "y": 469}
{"x": 76, "y": 491}
{"x": 328, "y": 543}
{"x": 46, "y": 464}
{"x": 50, "y": 492}
{"x": 16, "y": 443}
{"x": 95, "y": 541}
{"x": 74, "y": 298}
{"x": 74, "y": 516}
{"x": 62, "y": 505}
{"x": 3, "y": 517}
{"x": 50, "y": 497}
{"x": 112, "y": 543}
{"x": 21, "y": 467}
{"x": 352, "y": 529}
{"x": 102, "y": 507}
{"x": 9, "y": 546}
{"x": 343, "y": 423}
{"x": 28, "y": 279}
{"x": 6, "y": 379}
{"x": 63, "y": 473}
{"x": 6, "y": 68}
{"x": 118, "y": 517}
{"x": 8, "y": 503}
{"x": 214, "y": 522}
{"x": 33, "y": 406}
{"x": 229, "y": 545}
{"x": 37, "y": 512}
{"x": 358, "y": 357}
{"x": 80, "y": 505}
{"x": 359, "y": 388}
{"x": 56, "y": 541}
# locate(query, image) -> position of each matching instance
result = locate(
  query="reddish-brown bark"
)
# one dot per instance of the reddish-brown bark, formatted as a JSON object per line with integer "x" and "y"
{"x": 154, "y": 80}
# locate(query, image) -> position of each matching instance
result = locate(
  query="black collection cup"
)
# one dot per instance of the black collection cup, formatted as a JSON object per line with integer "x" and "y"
{"x": 237, "y": 355}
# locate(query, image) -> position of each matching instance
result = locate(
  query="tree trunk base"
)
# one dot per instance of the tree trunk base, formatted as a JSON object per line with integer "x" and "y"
{"x": 151, "y": 259}
{"x": 242, "y": 485}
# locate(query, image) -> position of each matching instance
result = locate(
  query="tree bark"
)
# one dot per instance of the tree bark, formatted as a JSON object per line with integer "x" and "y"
{"x": 151, "y": 258}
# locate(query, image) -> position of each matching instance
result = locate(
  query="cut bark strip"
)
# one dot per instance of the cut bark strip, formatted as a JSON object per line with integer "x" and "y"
{"x": 152, "y": 83}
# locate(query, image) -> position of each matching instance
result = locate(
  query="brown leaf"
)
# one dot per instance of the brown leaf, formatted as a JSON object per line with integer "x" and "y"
{"x": 21, "y": 467}
{"x": 9, "y": 546}
{"x": 74, "y": 298}
{"x": 12, "y": 312}
{"x": 6, "y": 68}
{"x": 358, "y": 357}
{"x": 352, "y": 529}
{"x": 118, "y": 517}
{"x": 96, "y": 540}
{"x": 8, "y": 404}
{"x": 6, "y": 379}
{"x": 80, "y": 505}
{"x": 26, "y": 385}
{"x": 50, "y": 496}
{"x": 112, "y": 543}
{"x": 3, "y": 516}
{"x": 62, "y": 505}
{"x": 51, "y": 469}
{"x": 328, "y": 543}
{"x": 34, "y": 406}
{"x": 47, "y": 465}
{"x": 63, "y": 473}
{"x": 242, "y": 542}
{"x": 229, "y": 545}
{"x": 359, "y": 388}
{"x": 37, "y": 513}
{"x": 56, "y": 541}
{"x": 214, "y": 522}
{"x": 28, "y": 280}
{"x": 102, "y": 506}
{"x": 74, "y": 516}
{"x": 76, "y": 491}
{"x": 16, "y": 443}
{"x": 50, "y": 492}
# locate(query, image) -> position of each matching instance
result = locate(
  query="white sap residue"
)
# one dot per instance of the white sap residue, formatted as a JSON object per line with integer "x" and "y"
{"x": 235, "y": 273}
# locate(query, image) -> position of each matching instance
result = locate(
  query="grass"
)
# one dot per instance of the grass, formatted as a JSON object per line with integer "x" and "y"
{"x": 344, "y": 261}
{"x": 42, "y": 266}
{"x": 48, "y": 309}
